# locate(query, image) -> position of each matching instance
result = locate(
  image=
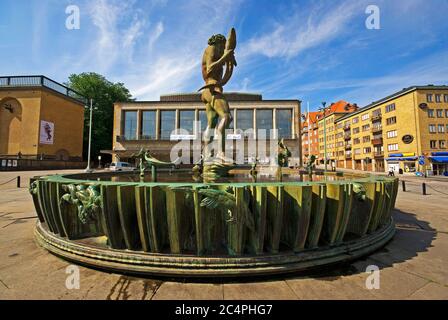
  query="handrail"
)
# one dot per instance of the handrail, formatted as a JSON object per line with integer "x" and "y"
{"x": 41, "y": 81}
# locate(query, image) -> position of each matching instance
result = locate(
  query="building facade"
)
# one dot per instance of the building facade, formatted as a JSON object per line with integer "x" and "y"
{"x": 404, "y": 132}
{"x": 310, "y": 135}
{"x": 40, "y": 119}
{"x": 334, "y": 112}
{"x": 159, "y": 125}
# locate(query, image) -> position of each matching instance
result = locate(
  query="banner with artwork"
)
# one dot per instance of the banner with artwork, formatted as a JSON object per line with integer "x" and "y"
{"x": 46, "y": 132}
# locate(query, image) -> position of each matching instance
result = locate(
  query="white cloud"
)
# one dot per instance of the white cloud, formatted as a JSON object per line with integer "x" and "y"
{"x": 302, "y": 32}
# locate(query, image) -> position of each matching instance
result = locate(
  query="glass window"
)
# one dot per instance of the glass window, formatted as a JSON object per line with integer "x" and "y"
{"x": 441, "y": 128}
{"x": 429, "y": 97}
{"x": 439, "y": 113}
{"x": 186, "y": 120}
{"x": 442, "y": 144}
{"x": 430, "y": 113}
{"x": 391, "y": 120}
{"x": 392, "y": 147}
{"x": 390, "y": 107}
{"x": 438, "y": 98}
{"x": 167, "y": 123}
{"x": 148, "y": 125}
{"x": 130, "y": 125}
{"x": 264, "y": 120}
{"x": 392, "y": 134}
{"x": 284, "y": 123}
{"x": 432, "y": 128}
{"x": 355, "y": 120}
{"x": 445, "y": 97}
{"x": 432, "y": 144}
{"x": 245, "y": 119}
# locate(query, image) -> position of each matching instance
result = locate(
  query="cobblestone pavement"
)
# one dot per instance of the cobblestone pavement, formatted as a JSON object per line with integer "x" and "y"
{"x": 412, "y": 265}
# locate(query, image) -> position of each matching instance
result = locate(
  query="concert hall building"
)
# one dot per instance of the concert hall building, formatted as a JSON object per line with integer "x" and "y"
{"x": 154, "y": 125}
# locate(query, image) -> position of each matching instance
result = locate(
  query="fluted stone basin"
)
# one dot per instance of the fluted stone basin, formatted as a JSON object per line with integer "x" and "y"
{"x": 238, "y": 226}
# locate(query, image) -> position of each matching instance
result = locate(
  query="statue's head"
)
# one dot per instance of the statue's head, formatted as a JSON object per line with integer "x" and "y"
{"x": 217, "y": 40}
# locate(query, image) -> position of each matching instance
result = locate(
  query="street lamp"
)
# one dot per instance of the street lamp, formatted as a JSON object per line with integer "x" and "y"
{"x": 323, "y": 109}
{"x": 88, "y": 169}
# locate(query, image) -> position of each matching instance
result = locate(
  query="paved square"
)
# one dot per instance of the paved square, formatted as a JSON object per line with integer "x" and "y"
{"x": 412, "y": 265}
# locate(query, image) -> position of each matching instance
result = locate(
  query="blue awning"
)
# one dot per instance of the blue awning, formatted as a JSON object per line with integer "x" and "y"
{"x": 395, "y": 155}
{"x": 439, "y": 159}
{"x": 402, "y": 159}
{"x": 440, "y": 154}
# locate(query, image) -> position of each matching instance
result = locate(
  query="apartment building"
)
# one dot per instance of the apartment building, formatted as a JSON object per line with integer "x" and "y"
{"x": 404, "y": 132}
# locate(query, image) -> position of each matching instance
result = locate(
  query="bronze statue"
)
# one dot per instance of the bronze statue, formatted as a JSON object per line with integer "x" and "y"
{"x": 219, "y": 53}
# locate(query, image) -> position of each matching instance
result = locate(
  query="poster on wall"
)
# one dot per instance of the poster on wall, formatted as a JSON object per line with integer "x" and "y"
{"x": 46, "y": 132}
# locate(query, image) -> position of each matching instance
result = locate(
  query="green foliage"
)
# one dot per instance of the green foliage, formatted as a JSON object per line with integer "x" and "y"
{"x": 104, "y": 94}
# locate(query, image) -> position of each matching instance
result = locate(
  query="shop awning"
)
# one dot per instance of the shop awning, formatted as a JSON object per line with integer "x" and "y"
{"x": 439, "y": 159}
{"x": 402, "y": 159}
{"x": 440, "y": 154}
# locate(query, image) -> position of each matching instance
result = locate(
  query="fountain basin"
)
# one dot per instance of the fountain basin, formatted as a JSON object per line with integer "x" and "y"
{"x": 185, "y": 228}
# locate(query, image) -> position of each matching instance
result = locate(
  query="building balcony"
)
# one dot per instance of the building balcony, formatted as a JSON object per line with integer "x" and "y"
{"x": 347, "y": 137}
{"x": 348, "y": 156}
{"x": 377, "y": 141}
{"x": 347, "y": 127}
{"x": 378, "y": 154}
{"x": 348, "y": 146}
{"x": 377, "y": 128}
{"x": 376, "y": 117}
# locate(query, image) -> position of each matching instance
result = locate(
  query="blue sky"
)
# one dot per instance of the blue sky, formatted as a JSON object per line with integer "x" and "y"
{"x": 309, "y": 50}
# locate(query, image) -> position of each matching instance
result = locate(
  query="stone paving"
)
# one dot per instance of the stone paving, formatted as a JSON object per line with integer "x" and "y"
{"x": 412, "y": 266}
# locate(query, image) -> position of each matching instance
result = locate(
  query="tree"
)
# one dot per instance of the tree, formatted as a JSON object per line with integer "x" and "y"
{"x": 104, "y": 94}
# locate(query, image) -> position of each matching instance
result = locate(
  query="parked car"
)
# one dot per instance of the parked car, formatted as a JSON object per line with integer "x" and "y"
{"x": 121, "y": 166}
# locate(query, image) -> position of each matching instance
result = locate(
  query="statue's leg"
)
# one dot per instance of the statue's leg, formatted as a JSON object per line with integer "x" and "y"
{"x": 208, "y": 134}
{"x": 222, "y": 109}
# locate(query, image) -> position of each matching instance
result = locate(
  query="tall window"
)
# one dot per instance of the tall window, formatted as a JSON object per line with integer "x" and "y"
{"x": 438, "y": 98}
{"x": 130, "y": 125}
{"x": 186, "y": 120}
{"x": 445, "y": 97}
{"x": 430, "y": 113}
{"x": 264, "y": 120}
{"x": 429, "y": 97}
{"x": 439, "y": 113}
{"x": 442, "y": 144}
{"x": 441, "y": 128}
{"x": 284, "y": 123}
{"x": 433, "y": 144}
{"x": 244, "y": 119}
{"x": 167, "y": 123}
{"x": 148, "y": 125}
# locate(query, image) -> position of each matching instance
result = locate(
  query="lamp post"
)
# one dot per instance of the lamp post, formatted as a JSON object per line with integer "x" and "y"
{"x": 323, "y": 109}
{"x": 88, "y": 169}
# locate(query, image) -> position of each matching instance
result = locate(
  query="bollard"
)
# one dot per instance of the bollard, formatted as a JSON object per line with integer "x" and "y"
{"x": 403, "y": 184}
{"x": 18, "y": 181}
{"x": 424, "y": 188}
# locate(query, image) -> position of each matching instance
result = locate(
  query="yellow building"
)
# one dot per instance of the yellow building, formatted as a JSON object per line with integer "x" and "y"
{"x": 404, "y": 132}
{"x": 334, "y": 112}
{"x": 39, "y": 119}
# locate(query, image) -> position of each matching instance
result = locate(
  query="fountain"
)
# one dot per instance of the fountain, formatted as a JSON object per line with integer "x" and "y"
{"x": 218, "y": 219}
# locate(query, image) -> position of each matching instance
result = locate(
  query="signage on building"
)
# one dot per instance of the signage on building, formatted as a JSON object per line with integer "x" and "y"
{"x": 407, "y": 138}
{"x": 46, "y": 132}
